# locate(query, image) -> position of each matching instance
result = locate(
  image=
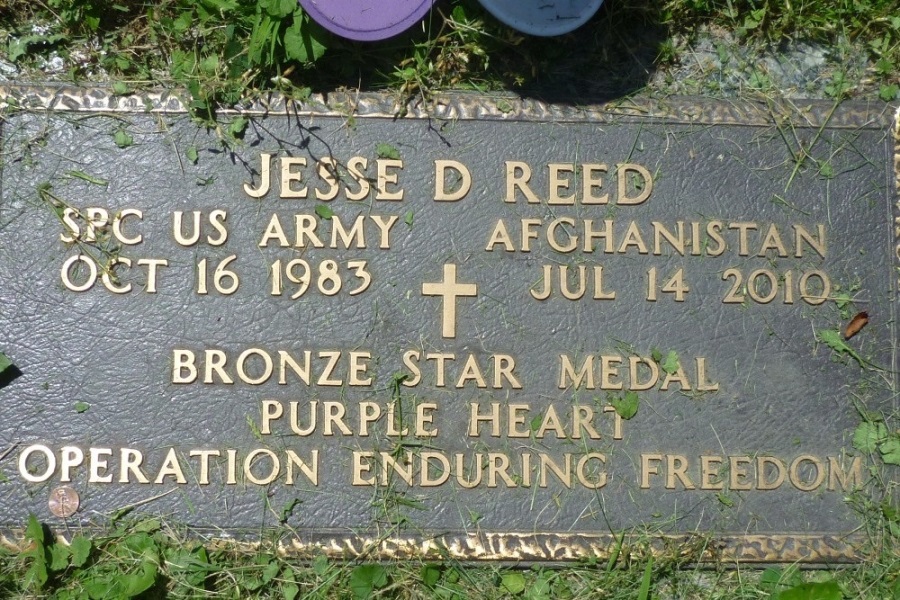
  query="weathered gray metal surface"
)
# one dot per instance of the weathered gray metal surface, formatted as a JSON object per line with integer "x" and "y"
{"x": 774, "y": 394}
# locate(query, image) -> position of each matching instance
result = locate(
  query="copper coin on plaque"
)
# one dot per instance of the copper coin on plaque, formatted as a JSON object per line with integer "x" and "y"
{"x": 64, "y": 502}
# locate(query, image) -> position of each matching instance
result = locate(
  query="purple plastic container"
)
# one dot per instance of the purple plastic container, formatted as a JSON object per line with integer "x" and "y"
{"x": 366, "y": 20}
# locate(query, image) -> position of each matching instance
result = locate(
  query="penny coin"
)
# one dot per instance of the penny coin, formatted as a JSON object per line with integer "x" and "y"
{"x": 64, "y": 502}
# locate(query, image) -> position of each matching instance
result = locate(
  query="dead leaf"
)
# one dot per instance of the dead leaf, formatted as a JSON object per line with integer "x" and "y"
{"x": 857, "y": 323}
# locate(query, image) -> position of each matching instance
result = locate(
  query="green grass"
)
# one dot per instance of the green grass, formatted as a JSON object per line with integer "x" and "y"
{"x": 223, "y": 50}
{"x": 147, "y": 559}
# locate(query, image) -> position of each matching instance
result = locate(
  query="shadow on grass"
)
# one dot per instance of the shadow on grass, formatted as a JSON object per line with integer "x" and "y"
{"x": 613, "y": 55}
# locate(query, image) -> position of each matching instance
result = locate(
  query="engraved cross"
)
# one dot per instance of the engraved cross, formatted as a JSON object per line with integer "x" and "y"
{"x": 449, "y": 290}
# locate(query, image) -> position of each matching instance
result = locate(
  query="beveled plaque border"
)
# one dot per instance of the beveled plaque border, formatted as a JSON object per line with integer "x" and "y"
{"x": 464, "y": 105}
{"x": 564, "y": 547}
{"x": 516, "y": 547}
{"x": 525, "y": 548}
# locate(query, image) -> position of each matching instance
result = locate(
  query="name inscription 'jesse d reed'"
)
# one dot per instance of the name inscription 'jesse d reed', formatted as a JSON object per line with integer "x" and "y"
{"x": 503, "y": 337}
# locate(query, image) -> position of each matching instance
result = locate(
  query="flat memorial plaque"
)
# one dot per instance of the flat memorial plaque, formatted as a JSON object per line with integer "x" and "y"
{"x": 492, "y": 330}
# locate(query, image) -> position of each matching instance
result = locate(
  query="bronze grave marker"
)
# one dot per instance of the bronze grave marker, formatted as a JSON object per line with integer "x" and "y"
{"x": 487, "y": 330}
